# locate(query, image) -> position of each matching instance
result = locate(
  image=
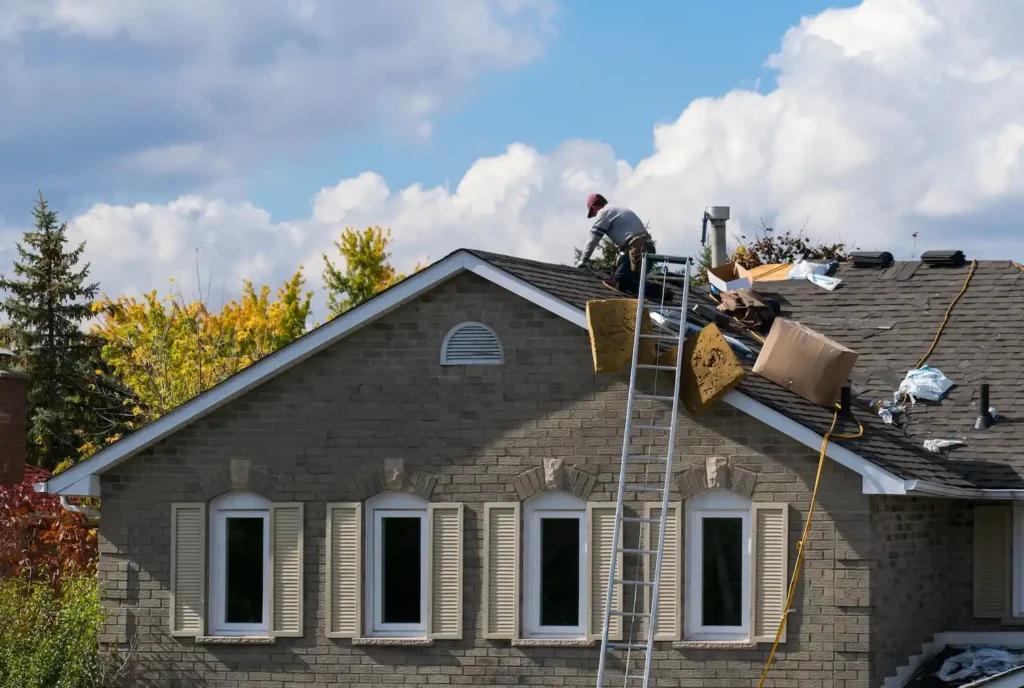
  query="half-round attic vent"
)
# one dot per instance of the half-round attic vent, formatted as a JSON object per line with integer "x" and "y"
{"x": 471, "y": 343}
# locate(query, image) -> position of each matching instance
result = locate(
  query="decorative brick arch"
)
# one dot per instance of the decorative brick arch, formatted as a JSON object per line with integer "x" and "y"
{"x": 716, "y": 473}
{"x": 554, "y": 475}
{"x": 241, "y": 476}
{"x": 394, "y": 477}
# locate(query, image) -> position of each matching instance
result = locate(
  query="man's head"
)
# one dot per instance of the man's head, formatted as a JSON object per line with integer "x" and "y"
{"x": 595, "y": 202}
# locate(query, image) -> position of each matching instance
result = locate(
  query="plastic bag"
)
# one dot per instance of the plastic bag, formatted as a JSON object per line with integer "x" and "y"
{"x": 802, "y": 269}
{"x": 986, "y": 661}
{"x": 924, "y": 383}
{"x": 829, "y": 283}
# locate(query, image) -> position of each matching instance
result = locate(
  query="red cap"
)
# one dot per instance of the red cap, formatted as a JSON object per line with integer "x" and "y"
{"x": 592, "y": 200}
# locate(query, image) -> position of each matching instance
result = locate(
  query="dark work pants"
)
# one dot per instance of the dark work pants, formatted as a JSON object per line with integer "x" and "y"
{"x": 628, "y": 281}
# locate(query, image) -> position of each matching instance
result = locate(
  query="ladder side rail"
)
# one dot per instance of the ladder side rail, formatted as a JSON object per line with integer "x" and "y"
{"x": 622, "y": 478}
{"x": 653, "y": 611}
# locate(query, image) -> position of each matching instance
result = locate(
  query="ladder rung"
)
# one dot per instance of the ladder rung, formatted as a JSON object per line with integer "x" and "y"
{"x": 652, "y": 366}
{"x": 639, "y": 519}
{"x": 666, "y": 428}
{"x": 653, "y": 397}
{"x": 634, "y": 582}
{"x": 644, "y": 488}
{"x": 627, "y": 646}
{"x": 626, "y": 550}
{"x": 643, "y": 615}
{"x": 666, "y": 337}
{"x": 646, "y": 458}
{"x": 654, "y": 306}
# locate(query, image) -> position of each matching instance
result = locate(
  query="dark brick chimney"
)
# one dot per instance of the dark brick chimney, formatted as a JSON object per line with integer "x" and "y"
{"x": 13, "y": 426}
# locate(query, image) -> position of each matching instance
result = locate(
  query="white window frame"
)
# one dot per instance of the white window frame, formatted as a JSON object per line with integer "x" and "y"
{"x": 551, "y": 505}
{"x": 401, "y": 505}
{"x": 716, "y": 503}
{"x": 1017, "y": 550}
{"x": 235, "y": 505}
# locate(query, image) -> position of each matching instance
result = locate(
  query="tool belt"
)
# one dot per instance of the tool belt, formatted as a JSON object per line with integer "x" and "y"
{"x": 634, "y": 249}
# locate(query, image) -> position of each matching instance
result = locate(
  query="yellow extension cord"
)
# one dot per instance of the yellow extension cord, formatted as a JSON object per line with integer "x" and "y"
{"x": 817, "y": 481}
{"x": 803, "y": 538}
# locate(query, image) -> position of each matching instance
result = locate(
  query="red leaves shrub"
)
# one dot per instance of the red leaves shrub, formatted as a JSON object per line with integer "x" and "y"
{"x": 40, "y": 540}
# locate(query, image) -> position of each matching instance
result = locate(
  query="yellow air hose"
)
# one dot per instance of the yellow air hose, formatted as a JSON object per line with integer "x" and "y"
{"x": 803, "y": 538}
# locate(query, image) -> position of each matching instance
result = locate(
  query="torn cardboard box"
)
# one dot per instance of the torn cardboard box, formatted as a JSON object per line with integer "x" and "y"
{"x": 805, "y": 362}
{"x": 728, "y": 277}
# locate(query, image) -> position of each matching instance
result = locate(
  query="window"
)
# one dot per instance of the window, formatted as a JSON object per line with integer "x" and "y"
{"x": 396, "y": 543}
{"x": 718, "y": 549}
{"x": 471, "y": 343}
{"x": 239, "y": 565}
{"x": 555, "y": 566}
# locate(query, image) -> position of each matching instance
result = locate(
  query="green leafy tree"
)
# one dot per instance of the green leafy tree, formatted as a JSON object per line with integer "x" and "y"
{"x": 700, "y": 275}
{"x": 603, "y": 258}
{"x": 48, "y": 301}
{"x": 367, "y": 269}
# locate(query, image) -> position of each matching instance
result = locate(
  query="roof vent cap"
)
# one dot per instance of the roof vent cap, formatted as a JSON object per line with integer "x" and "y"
{"x": 950, "y": 259}
{"x": 871, "y": 259}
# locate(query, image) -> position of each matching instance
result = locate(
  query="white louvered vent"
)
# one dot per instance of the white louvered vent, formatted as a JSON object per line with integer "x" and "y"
{"x": 471, "y": 343}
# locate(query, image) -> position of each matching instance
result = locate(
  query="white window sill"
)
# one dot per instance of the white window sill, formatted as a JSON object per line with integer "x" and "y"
{"x": 715, "y": 645}
{"x": 235, "y": 640}
{"x": 553, "y": 642}
{"x": 395, "y": 642}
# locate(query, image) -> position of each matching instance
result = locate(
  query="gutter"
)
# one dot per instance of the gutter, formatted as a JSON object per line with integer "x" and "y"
{"x": 923, "y": 487}
{"x": 87, "y": 511}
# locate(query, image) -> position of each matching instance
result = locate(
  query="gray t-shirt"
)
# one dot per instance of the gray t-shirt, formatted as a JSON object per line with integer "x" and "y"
{"x": 618, "y": 224}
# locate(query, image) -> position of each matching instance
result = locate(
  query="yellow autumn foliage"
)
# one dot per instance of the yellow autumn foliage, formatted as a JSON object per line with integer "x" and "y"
{"x": 168, "y": 350}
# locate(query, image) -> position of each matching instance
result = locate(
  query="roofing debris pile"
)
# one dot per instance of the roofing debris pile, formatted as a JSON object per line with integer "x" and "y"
{"x": 792, "y": 355}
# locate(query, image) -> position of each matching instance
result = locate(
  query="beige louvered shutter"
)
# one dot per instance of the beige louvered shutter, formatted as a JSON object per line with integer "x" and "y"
{"x": 993, "y": 542}
{"x": 770, "y": 569}
{"x": 501, "y": 571}
{"x": 600, "y": 550}
{"x": 286, "y": 587}
{"x": 188, "y": 569}
{"x": 668, "y": 624}
{"x": 444, "y": 535}
{"x": 344, "y": 570}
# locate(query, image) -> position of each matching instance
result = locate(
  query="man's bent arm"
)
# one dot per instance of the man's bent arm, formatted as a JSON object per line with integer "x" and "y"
{"x": 595, "y": 239}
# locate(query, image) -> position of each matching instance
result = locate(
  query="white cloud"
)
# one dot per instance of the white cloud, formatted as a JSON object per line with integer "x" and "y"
{"x": 891, "y": 117}
{"x": 174, "y": 94}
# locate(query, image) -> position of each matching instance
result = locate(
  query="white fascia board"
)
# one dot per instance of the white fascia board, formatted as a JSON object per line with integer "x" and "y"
{"x": 875, "y": 480}
{"x": 74, "y": 480}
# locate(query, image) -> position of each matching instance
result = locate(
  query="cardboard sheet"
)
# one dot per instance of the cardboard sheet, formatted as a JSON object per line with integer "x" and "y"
{"x": 766, "y": 273}
{"x": 805, "y": 362}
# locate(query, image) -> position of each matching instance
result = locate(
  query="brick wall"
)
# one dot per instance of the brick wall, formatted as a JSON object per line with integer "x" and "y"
{"x": 13, "y": 426}
{"x": 913, "y": 577}
{"x": 381, "y": 393}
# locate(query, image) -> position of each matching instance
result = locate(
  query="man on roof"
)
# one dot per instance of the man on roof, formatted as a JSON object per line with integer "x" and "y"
{"x": 629, "y": 234}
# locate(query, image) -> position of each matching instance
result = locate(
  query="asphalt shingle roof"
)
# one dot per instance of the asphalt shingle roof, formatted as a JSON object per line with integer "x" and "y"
{"x": 890, "y": 318}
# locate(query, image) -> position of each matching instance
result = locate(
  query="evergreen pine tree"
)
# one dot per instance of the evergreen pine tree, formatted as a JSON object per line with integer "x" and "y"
{"x": 48, "y": 300}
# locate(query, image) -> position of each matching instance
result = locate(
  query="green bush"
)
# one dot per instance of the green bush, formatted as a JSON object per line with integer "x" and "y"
{"x": 49, "y": 639}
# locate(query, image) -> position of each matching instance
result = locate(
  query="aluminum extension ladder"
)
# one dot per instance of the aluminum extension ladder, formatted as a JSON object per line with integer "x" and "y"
{"x": 632, "y": 657}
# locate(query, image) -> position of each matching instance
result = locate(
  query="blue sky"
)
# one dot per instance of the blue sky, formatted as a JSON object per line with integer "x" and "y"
{"x": 252, "y": 135}
{"x": 653, "y": 59}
